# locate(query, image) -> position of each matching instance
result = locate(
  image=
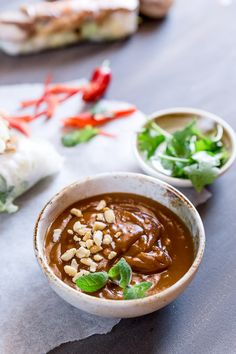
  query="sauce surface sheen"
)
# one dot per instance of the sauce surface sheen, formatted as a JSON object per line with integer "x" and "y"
{"x": 153, "y": 240}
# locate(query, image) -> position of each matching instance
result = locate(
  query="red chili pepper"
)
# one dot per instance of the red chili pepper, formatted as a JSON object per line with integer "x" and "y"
{"x": 53, "y": 95}
{"x": 98, "y": 84}
{"x": 109, "y": 135}
{"x": 87, "y": 118}
{"x": 18, "y": 124}
{"x": 64, "y": 89}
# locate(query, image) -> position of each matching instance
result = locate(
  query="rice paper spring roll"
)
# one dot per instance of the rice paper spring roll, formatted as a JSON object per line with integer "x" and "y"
{"x": 23, "y": 163}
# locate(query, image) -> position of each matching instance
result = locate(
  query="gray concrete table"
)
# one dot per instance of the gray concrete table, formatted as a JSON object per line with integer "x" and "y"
{"x": 186, "y": 60}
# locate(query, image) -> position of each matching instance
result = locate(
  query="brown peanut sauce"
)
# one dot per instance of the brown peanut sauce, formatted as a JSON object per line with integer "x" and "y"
{"x": 153, "y": 240}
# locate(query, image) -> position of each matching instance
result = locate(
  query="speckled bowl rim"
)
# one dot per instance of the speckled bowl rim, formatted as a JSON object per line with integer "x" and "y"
{"x": 123, "y": 303}
{"x": 180, "y": 182}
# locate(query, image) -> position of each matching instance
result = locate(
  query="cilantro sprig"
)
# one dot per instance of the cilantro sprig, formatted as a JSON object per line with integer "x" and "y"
{"x": 186, "y": 153}
{"x": 121, "y": 272}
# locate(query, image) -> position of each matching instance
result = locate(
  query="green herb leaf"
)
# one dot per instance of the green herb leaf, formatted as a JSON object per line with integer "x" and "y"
{"x": 181, "y": 144}
{"x": 122, "y": 271}
{"x": 137, "y": 291}
{"x": 201, "y": 174}
{"x": 79, "y": 136}
{"x": 149, "y": 139}
{"x": 92, "y": 282}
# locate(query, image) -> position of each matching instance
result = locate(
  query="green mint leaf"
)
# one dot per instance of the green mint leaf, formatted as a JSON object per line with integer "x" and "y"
{"x": 121, "y": 271}
{"x": 92, "y": 282}
{"x": 137, "y": 291}
{"x": 79, "y": 136}
{"x": 149, "y": 139}
{"x": 201, "y": 174}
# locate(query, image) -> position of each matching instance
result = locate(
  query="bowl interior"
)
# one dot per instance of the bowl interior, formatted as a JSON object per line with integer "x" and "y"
{"x": 176, "y": 121}
{"x": 126, "y": 183}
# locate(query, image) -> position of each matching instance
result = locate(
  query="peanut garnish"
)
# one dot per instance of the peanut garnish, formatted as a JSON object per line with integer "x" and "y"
{"x": 100, "y": 217}
{"x": 101, "y": 205}
{"x": 112, "y": 255}
{"x": 89, "y": 243}
{"x": 68, "y": 255}
{"x": 97, "y": 237}
{"x": 76, "y": 212}
{"x": 82, "y": 252}
{"x": 70, "y": 270}
{"x": 95, "y": 249}
{"x": 56, "y": 235}
{"x": 109, "y": 216}
{"x": 97, "y": 257}
{"x": 107, "y": 240}
{"x": 98, "y": 225}
{"x": 74, "y": 264}
{"x": 87, "y": 261}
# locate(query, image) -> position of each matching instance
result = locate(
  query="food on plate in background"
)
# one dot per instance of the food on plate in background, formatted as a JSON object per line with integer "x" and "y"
{"x": 42, "y": 25}
{"x": 119, "y": 246}
{"x": 155, "y": 8}
{"x": 23, "y": 162}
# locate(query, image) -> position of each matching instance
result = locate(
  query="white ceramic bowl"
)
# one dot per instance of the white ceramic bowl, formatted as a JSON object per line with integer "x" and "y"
{"x": 172, "y": 119}
{"x": 129, "y": 183}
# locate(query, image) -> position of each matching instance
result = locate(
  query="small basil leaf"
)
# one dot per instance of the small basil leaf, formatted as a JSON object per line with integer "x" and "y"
{"x": 79, "y": 136}
{"x": 122, "y": 271}
{"x": 137, "y": 291}
{"x": 92, "y": 282}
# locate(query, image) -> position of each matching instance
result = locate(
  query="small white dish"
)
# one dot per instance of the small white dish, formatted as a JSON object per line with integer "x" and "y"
{"x": 173, "y": 119}
{"x": 126, "y": 183}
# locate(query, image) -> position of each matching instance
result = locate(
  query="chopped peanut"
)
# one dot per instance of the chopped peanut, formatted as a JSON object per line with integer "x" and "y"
{"x": 70, "y": 270}
{"x": 56, "y": 235}
{"x": 76, "y": 238}
{"x": 98, "y": 225}
{"x": 76, "y": 212}
{"x": 77, "y": 226}
{"x": 109, "y": 216}
{"x": 87, "y": 236}
{"x": 74, "y": 264}
{"x": 82, "y": 252}
{"x": 100, "y": 217}
{"x": 87, "y": 261}
{"x": 83, "y": 231}
{"x": 68, "y": 255}
{"x": 112, "y": 255}
{"x": 101, "y": 205}
{"x": 107, "y": 240}
{"x": 95, "y": 249}
{"x": 89, "y": 243}
{"x": 93, "y": 267}
{"x": 97, "y": 237}
{"x": 97, "y": 257}
{"x": 118, "y": 234}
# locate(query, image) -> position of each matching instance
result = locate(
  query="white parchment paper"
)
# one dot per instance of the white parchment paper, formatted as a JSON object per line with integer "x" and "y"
{"x": 33, "y": 319}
